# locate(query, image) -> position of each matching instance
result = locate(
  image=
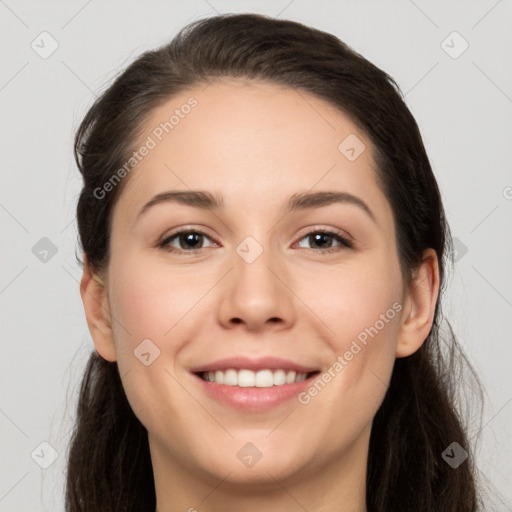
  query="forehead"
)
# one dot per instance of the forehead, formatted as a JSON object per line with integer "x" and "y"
{"x": 256, "y": 143}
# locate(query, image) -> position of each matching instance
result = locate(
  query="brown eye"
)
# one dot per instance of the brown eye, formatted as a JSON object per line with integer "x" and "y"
{"x": 186, "y": 240}
{"x": 324, "y": 241}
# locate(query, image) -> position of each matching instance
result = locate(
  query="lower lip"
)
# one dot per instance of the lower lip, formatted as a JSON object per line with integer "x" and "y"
{"x": 252, "y": 398}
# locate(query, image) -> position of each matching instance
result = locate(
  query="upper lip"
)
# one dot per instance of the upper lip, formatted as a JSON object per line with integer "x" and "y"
{"x": 254, "y": 364}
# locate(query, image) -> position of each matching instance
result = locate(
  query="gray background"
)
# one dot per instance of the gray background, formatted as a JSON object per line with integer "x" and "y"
{"x": 463, "y": 106}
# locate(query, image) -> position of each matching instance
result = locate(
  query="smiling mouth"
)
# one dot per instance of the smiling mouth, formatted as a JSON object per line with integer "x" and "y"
{"x": 265, "y": 378}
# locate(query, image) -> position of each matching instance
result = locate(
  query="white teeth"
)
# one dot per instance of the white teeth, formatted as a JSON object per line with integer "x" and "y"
{"x": 264, "y": 379}
{"x": 279, "y": 377}
{"x": 230, "y": 378}
{"x": 290, "y": 377}
{"x": 248, "y": 379}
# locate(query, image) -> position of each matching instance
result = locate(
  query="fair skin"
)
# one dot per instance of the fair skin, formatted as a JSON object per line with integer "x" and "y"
{"x": 256, "y": 145}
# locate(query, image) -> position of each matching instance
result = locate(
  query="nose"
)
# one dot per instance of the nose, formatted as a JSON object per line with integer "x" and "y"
{"x": 257, "y": 294}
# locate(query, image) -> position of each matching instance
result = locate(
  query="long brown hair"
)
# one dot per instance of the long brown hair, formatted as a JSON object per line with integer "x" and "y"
{"x": 109, "y": 464}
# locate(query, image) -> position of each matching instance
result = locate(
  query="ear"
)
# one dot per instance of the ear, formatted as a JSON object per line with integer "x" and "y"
{"x": 97, "y": 312}
{"x": 420, "y": 306}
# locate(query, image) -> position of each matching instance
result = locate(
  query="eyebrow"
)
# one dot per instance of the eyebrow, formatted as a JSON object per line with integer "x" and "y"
{"x": 303, "y": 201}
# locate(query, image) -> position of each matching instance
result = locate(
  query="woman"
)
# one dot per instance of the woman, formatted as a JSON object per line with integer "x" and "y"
{"x": 264, "y": 249}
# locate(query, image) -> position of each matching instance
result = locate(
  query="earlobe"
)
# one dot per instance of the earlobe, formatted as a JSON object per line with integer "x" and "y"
{"x": 97, "y": 312}
{"x": 420, "y": 306}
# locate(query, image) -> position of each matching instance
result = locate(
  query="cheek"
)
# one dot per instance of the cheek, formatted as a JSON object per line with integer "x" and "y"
{"x": 150, "y": 302}
{"x": 150, "y": 308}
{"x": 351, "y": 298}
{"x": 360, "y": 310}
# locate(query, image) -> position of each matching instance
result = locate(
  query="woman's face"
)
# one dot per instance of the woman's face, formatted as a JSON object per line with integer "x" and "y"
{"x": 266, "y": 291}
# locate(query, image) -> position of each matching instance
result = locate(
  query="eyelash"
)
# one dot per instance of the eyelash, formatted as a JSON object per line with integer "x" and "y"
{"x": 344, "y": 241}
